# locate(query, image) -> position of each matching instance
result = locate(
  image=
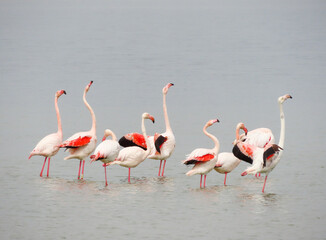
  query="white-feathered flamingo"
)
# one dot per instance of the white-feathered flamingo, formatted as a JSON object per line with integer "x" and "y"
{"x": 269, "y": 155}
{"x": 107, "y": 151}
{"x": 131, "y": 157}
{"x": 162, "y": 145}
{"x": 226, "y": 161}
{"x": 203, "y": 158}
{"x": 49, "y": 145}
{"x": 82, "y": 144}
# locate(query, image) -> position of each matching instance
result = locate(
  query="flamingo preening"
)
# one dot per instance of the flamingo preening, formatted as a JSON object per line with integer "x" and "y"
{"x": 107, "y": 151}
{"x": 131, "y": 157}
{"x": 49, "y": 145}
{"x": 82, "y": 144}
{"x": 226, "y": 161}
{"x": 204, "y": 159}
{"x": 162, "y": 145}
{"x": 265, "y": 159}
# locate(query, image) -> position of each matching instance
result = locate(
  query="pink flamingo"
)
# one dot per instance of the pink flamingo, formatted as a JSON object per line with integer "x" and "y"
{"x": 107, "y": 151}
{"x": 162, "y": 145}
{"x": 82, "y": 144}
{"x": 131, "y": 157}
{"x": 49, "y": 145}
{"x": 226, "y": 161}
{"x": 204, "y": 159}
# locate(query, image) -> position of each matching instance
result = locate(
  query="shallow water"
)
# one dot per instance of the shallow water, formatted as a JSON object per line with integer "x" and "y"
{"x": 229, "y": 60}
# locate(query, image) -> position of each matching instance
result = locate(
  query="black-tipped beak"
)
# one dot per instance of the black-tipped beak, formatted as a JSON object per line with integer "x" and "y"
{"x": 64, "y": 92}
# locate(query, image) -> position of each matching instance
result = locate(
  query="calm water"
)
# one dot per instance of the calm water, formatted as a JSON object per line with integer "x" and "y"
{"x": 227, "y": 59}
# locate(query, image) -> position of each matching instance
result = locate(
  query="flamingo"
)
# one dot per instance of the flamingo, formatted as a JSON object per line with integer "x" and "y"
{"x": 82, "y": 144}
{"x": 271, "y": 152}
{"x": 226, "y": 161}
{"x": 107, "y": 151}
{"x": 49, "y": 145}
{"x": 204, "y": 159}
{"x": 131, "y": 157}
{"x": 162, "y": 145}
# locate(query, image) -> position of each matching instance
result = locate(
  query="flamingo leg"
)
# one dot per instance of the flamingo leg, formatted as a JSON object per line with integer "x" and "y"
{"x": 163, "y": 168}
{"x": 204, "y": 181}
{"x": 201, "y": 178}
{"x": 106, "y": 180}
{"x": 82, "y": 175}
{"x": 43, "y": 167}
{"x": 159, "y": 170}
{"x": 80, "y": 162}
{"x": 47, "y": 173}
{"x": 129, "y": 176}
{"x": 264, "y": 184}
{"x": 225, "y": 179}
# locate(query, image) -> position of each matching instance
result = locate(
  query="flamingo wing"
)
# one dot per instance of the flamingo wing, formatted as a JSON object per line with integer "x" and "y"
{"x": 259, "y": 137}
{"x": 244, "y": 152}
{"x": 159, "y": 140}
{"x": 270, "y": 152}
{"x": 76, "y": 142}
{"x": 199, "y": 156}
{"x": 133, "y": 139}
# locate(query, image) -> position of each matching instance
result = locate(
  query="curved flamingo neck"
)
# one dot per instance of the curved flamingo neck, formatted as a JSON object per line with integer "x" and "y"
{"x": 114, "y": 137}
{"x": 143, "y": 129}
{"x": 166, "y": 117}
{"x": 237, "y": 131}
{"x": 282, "y": 134}
{"x": 211, "y": 136}
{"x": 58, "y": 115}
{"x": 93, "y": 129}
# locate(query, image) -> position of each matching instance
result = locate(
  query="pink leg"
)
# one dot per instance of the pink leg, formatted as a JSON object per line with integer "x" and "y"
{"x": 106, "y": 180}
{"x": 225, "y": 179}
{"x": 80, "y": 162}
{"x": 201, "y": 178}
{"x": 43, "y": 167}
{"x": 47, "y": 174}
{"x": 163, "y": 168}
{"x": 82, "y": 176}
{"x": 264, "y": 184}
{"x": 129, "y": 176}
{"x": 204, "y": 181}
{"x": 159, "y": 170}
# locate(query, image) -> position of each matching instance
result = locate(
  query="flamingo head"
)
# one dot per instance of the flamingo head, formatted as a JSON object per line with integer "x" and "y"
{"x": 88, "y": 86}
{"x": 166, "y": 88}
{"x": 148, "y": 116}
{"x": 211, "y": 122}
{"x": 107, "y": 132}
{"x": 242, "y": 126}
{"x": 59, "y": 93}
{"x": 283, "y": 98}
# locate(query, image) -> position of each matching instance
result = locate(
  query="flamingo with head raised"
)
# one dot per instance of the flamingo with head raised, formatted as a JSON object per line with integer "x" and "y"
{"x": 131, "y": 157}
{"x": 49, "y": 145}
{"x": 204, "y": 159}
{"x": 82, "y": 144}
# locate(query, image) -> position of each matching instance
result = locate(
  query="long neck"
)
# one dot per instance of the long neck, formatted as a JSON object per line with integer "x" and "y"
{"x": 282, "y": 134}
{"x": 166, "y": 117}
{"x": 93, "y": 129}
{"x": 143, "y": 129}
{"x": 114, "y": 137}
{"x": 216, "y": 142}
{"x": 237, "y": 136}
{"x": 58, "y": 115}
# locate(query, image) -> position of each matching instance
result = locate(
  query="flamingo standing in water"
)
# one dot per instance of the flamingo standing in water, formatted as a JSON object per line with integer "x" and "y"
{"x": 226, "y": 161}
{"x": 204, "y": 159}
{"x": 107, "y": 151}
{"x": 49, "y": 145}
{"x": 82, "y": 144}
{"x": 162, "y": 145}
{"x": 269, "y": 156}
{"x": 131, "y": 157}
